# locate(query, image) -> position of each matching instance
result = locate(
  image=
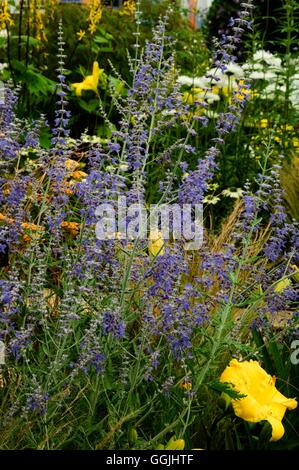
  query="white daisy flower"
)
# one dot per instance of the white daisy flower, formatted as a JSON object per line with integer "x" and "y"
{"x": 211, "y": 199}
{"x": 207, "y": 96}
{"x": 234, "y": 69}
{"x": 184, "y": 80}
{"x": 262, "y": 75}
{"x": 234, "y": 194}
{"x": 268, "y": 57}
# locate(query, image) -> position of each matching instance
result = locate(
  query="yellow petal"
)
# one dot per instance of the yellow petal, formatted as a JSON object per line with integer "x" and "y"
{"x": 277, "y": 428}
{"x": 175, "y": 444}
{"x": 263, "y": 402}
{"x": 249, "y": 409}
{"x": 156, "y": 243}
{"x": 96, "y": 69}
{"x": 264, "y": 123}
{"x": 90, "y": 82}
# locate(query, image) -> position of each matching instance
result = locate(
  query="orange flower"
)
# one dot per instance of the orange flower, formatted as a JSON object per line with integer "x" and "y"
{"x": 4, "y": 218}
{"x": 71, "y": 165}
{"x": 33, "y": 231}
{"x": 77, "y": 175}
{"x": 72, "y": 227}
{"x": 67, "y": 188}
{"x": 186, "y": 385}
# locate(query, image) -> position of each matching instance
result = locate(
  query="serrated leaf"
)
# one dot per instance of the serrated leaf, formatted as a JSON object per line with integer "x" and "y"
{"x": 225, "y": 387}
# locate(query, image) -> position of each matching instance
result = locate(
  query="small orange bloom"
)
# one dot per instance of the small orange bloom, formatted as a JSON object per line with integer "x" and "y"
{"x": 4, "y": 218}
{"x": 72, "y": 227}
{"x": 77, "y": 175}
{"x": 34, "y": 231}
{"x": 71, "y": 165}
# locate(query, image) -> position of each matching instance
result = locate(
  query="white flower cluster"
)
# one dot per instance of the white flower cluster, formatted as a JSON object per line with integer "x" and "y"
{"x": 264, "y": 68}
{"x": 206, "y": 89}
{"x": 270, "y": 69}
{"x": 215, "y": 76}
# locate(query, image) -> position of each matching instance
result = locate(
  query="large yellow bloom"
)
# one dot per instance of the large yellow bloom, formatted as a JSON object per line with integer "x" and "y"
{"x": 263, "y": 402}
{"x": 90, "y": 82}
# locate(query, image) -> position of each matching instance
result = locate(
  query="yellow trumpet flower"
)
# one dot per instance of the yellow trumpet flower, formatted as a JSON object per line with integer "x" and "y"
{"x": 90, "y": 82}
{"x": 263, "y": 402}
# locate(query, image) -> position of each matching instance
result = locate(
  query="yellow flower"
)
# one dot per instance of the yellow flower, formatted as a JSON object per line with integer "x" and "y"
{"x": 295, "y": 142}
{"x": 186, "y": 385}
{"x": 287, "y": 127}
{"x": 188, "y": 97}
{"x": 92, "y": 28}
{"x": 264, "y": 123}
{"x": 281, "y": 285}
{"x": 175, "y": 444}
{"x": 243, "y": 93}
{"x": 80, "y": 34}
{"x": 128, "y": 8}
{"x": 216, "y": 90}
{"x": 5, "y": 18}
{"x": 95, "y": 15}
{"x": 263, "y": 402}
{"x": 156, "y": 243}
{"x": 90, "y": 82}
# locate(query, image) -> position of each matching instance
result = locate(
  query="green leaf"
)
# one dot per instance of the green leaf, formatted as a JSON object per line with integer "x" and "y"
{"x": 277, "y": 358}
{"x": 265, "y": 435}
{"x": 226, "y": 388}
{"x": 37, "y": 84}
{"x": 90, "y": 106}
{"x": 259, "y": 341}
{"x": 100, "y": 40}
{"x": 24, "y": 39}
{"x": 104, "y": 33}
